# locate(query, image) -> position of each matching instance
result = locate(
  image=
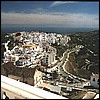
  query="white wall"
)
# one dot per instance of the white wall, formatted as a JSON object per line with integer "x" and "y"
{"x": 94, "y": 83}
{"x": 26, "y": 90}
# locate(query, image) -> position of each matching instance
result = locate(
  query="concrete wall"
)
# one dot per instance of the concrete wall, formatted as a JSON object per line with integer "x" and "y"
{"x": 25, "y": 91}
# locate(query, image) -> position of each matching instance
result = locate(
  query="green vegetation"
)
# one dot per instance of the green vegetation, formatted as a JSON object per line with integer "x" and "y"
{"x": 87, "y": 59}
{"x": 3, "y": 39}
{"x": 60, "y": 49}
{"x": 90, "y": 41}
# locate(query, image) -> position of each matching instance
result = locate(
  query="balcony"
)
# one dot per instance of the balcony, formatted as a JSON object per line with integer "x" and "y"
{"x": 15, "y": 89}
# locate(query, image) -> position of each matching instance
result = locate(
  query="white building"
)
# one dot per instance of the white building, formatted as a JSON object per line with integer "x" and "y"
{"x": 94, "y": 80}
{"x": 37, "y": 76}
{"x": 51, "y": 57}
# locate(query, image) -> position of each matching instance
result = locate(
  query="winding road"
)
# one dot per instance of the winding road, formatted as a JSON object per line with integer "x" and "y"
{"x": 62, "y": 64}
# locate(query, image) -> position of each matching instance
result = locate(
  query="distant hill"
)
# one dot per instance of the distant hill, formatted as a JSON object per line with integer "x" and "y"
{"x": 88, "y": 57}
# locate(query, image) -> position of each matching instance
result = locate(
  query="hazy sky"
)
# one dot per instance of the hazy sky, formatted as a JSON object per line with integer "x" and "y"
{"x": 51, "y": 13}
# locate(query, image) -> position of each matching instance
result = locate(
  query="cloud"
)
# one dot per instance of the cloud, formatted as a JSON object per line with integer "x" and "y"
{"x": 38, "y": 10}
{"x": 56, "y": 3}
{"x": 51, "y": 19}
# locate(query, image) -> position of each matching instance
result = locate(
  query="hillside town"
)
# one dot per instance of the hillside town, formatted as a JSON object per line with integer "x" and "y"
{"x": 33, "y": 53}
{"x": 33, "y": 48}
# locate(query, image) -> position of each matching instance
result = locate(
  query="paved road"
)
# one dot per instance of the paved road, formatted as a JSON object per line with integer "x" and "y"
{"x": 61, "y": 70}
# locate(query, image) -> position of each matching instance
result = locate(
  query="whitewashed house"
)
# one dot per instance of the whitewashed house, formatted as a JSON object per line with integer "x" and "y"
{"x": 94, "y": 80}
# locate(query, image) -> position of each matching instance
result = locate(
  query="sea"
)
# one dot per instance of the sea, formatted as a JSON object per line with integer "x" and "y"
{"x": 61, "y": 30}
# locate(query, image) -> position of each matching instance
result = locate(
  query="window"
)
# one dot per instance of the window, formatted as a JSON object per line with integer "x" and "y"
{"x": 93, "y": 79}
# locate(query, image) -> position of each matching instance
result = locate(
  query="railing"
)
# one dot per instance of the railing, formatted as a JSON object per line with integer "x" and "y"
{"x": 26, "y": 91}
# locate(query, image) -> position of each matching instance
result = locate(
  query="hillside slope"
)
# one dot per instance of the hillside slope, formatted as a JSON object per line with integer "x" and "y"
{"x": 87, "y": 59}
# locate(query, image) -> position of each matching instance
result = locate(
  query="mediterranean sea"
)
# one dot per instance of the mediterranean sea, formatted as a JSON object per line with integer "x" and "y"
{"x": 63, "y": 30}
